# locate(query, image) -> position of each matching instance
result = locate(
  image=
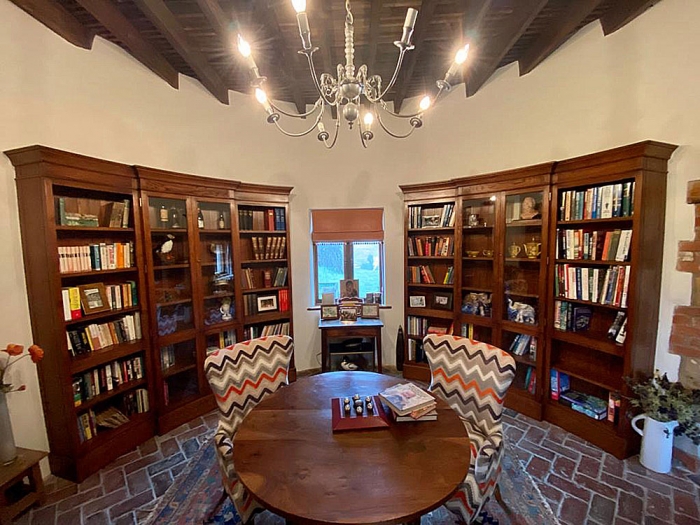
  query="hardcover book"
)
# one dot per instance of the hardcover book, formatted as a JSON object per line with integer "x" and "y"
{"x": 405, "y": 398}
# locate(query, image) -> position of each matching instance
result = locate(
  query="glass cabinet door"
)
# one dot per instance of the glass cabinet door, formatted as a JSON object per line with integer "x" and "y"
{"x": 216, "y": 263}
{"x": 178, "y": 362}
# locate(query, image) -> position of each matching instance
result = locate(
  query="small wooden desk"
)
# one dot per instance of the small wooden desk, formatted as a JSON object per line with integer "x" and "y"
{"x": 288, "y": 457}
{"x": 15, "y": 495}
{"x": 371, "y": 328}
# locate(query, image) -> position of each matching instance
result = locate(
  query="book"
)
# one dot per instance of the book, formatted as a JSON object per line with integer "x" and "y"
{"x": 429, "y": 415}
{"x": 582, "y": 319}
{"x": 405, "y": 398}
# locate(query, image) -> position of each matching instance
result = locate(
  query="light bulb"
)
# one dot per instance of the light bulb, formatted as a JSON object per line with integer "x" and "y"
{"x": 492, "y": 198}
{"x": 369, "y": 119}
{"x": 260, "y": 95}
{"x": 299, "y": 5}
{"x": 425, "y": 103}
{"x": 243, "y": 47}
{"x": 461, "y": 55}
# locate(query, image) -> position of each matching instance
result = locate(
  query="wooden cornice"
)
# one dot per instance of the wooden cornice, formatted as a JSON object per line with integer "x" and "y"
{"x": 159, "y": 14}
{"x": 556, "y": 33}
{"x": 623, "y": 12}
{"x": 425, "y": 15}
{"x": 110, "y": 17}
{"x": 54, "y": 16}
{"x": 492, "y": 51}
{"x": 36, "y": 154}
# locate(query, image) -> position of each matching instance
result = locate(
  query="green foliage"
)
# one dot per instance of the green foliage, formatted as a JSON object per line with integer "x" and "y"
{"x": 665, "y": 401}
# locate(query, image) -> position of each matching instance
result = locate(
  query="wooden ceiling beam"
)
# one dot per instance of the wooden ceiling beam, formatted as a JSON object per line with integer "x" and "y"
{"x": 374, "y": 26}
{"x": 425, "y": 15}
{"x": 54, "y": 16}
{"x": 492, "y": 52}
{"x": 622, "y": 13}
{"x": 327, "y": 46}
{"x": 556, "y": 33}
{"x": 287, "y": 56}
{"x": 117, "y": 24}
{"x": 472, "y": 24}
{"x": 161, "y": 17}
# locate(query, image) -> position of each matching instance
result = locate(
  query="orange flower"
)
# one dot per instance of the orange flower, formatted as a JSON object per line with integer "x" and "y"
{"x": 14, "y": 349}
{"x": 36, "y": 352}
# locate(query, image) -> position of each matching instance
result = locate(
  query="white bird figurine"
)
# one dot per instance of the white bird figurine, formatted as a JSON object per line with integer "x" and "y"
{"x": 167, "y": 246}
{"x": 347, "y": 365}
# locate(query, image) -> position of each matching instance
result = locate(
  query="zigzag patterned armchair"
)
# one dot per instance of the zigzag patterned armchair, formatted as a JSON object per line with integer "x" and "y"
{"x": 241, "y": 376}
{"x": 473, "y": 377}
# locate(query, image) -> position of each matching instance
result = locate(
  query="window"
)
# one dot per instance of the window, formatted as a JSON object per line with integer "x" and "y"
{"x": 348, "y": 244}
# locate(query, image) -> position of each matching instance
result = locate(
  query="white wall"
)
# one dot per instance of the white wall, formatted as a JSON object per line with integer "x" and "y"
{"x": 593, "y": 94}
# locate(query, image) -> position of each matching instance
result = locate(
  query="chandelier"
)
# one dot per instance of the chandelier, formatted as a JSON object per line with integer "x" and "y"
{"x": 345, "y": 91}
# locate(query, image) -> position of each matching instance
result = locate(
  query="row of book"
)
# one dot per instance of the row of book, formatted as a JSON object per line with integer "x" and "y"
{"x": 269, "y": 247}
{"x": 270, "y": 219}
{"x": 618, "y": 329}
{"x": 168, "y": 357}
{"x": 611, "y": 245}
{"x": 252, "y": 332}
{"x": 409, "y": 403}
{"x": 119, "y": 296}
{"x": 106, "y": 378}
{"x": 115, "y": 214}
{"x": 571, "y": 317}
{"x": 600, "y": 202}
{"x": 254, "y": 304}
{"x": 422, "y": 274}
{"x": 531, "y": 380}
{"x": 96, "y": 336}
{"x": 112, "y": 214}
{"x": 431, "y": 216}
{"x": 431, "y": 246}
{"x": 95, "y": 257}
{"x": 221, "y": 340}
{"x": 524, "y": 344}
{"x": 597, "y": 285}
{"x": 268, "y": 280}
{"x": 90, "y": 424}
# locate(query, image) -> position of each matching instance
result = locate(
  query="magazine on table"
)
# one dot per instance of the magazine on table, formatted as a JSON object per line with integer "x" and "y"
{"x": 406, "y": 398}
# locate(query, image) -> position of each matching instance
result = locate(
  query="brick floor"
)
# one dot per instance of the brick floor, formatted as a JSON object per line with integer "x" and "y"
{"x": 583, "y": 484}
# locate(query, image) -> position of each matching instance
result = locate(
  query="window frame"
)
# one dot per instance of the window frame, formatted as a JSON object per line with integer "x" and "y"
{"x": 348, "y": 265}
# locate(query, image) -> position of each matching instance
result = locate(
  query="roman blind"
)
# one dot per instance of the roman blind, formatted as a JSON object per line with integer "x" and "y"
{"x": 347, "y": 224}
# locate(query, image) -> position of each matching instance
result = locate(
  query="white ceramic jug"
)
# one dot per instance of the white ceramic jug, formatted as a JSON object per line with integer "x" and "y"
{"x": 657, "y": 443}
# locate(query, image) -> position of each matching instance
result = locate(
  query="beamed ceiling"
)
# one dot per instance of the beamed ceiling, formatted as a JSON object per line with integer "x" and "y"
{"x": 196, "y": 37}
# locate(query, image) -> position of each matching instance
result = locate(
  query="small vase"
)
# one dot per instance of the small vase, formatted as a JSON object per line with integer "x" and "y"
{"x": 657, "y": 443}
{"x": 8, "y": 450}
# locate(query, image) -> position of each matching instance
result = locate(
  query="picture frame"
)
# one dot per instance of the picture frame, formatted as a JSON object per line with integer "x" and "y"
{"x": 416, "y": 301}
{"x": 350, "y": 288}
{"x": 347, "y": 314}
{"x": 93, "y": 298}
{"x": 370, "y": 311}
{"x": 267, "y": 303}
{"x": 329, "y": 311}
{"x": 442, "y": 301}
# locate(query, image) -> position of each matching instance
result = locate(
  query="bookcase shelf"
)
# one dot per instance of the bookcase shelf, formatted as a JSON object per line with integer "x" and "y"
{"x": 92, "y": 229}
{"x": 101, "y": 398}
{"x": 104, "y": 355}
{"x": 501, "y": 213}
{"x": 103, "y": 315}
{"x": 97, "y": 273}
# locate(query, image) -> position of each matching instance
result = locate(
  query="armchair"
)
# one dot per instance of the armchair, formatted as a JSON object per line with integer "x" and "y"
{"x": 473, "y": 377}
{"x": 241, "y": 376}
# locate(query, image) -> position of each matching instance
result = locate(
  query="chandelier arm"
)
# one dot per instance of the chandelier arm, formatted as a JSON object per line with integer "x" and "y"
{"x": 391, "y": 133}
{"x": 312, "y": 68}
{"x": 296, "y": 115}
{"x": 303, "y": 133}
{"x": 335, "y": 137}
{"x": 383, "y": 105}
{"x": 399, "y": 61}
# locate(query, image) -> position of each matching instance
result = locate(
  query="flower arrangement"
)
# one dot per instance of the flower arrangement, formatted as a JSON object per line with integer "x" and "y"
{"x": 11, "y": 355}
{"x": 666, "y": 401}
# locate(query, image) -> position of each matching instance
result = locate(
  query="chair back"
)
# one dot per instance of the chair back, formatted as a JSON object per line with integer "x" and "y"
{"x": 471, "y": 376}
{"x": 242, "y": 375}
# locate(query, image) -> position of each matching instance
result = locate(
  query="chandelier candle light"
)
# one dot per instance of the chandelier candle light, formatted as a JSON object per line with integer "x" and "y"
{"x": 344, "y": 91}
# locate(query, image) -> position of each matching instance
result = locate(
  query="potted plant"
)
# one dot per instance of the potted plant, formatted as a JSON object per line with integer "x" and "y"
{"x": 668, "y": 408}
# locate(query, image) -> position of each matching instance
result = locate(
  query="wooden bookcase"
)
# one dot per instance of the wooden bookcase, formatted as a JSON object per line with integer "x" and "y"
{"x": 490, "y": 280}
{"x": 53, "y": 187}
{"x": 181, "y": 233}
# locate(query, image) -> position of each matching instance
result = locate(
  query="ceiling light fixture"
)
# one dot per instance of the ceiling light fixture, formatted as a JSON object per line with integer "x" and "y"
{"x": 344, "y": 91}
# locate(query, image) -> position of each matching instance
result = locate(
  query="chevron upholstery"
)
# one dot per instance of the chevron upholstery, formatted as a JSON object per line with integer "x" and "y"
{"x": 241, "y": 376}
{"x": 473, "y": 377}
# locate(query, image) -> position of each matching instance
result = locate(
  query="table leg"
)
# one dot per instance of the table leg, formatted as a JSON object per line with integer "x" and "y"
{"x": 324, "y": 352}
{"x": 38, "y": 483}
{"x": 378, "y": 344}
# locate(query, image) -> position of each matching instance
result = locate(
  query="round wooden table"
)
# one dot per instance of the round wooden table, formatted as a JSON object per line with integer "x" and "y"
{"x": 288, "y": 457}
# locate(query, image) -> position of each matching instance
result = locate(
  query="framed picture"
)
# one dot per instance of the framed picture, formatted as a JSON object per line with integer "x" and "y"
{"x": 416, "y": 301}
{"x": 442, "y": 301}
{"x": 93, "y": 298}
{"x": 267, "y": 303}
{"x": 329, "y": 311}
{"x": 348, "y": 313}
{"x": 370, "y": 311}
{"x": 349, "y": 288}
